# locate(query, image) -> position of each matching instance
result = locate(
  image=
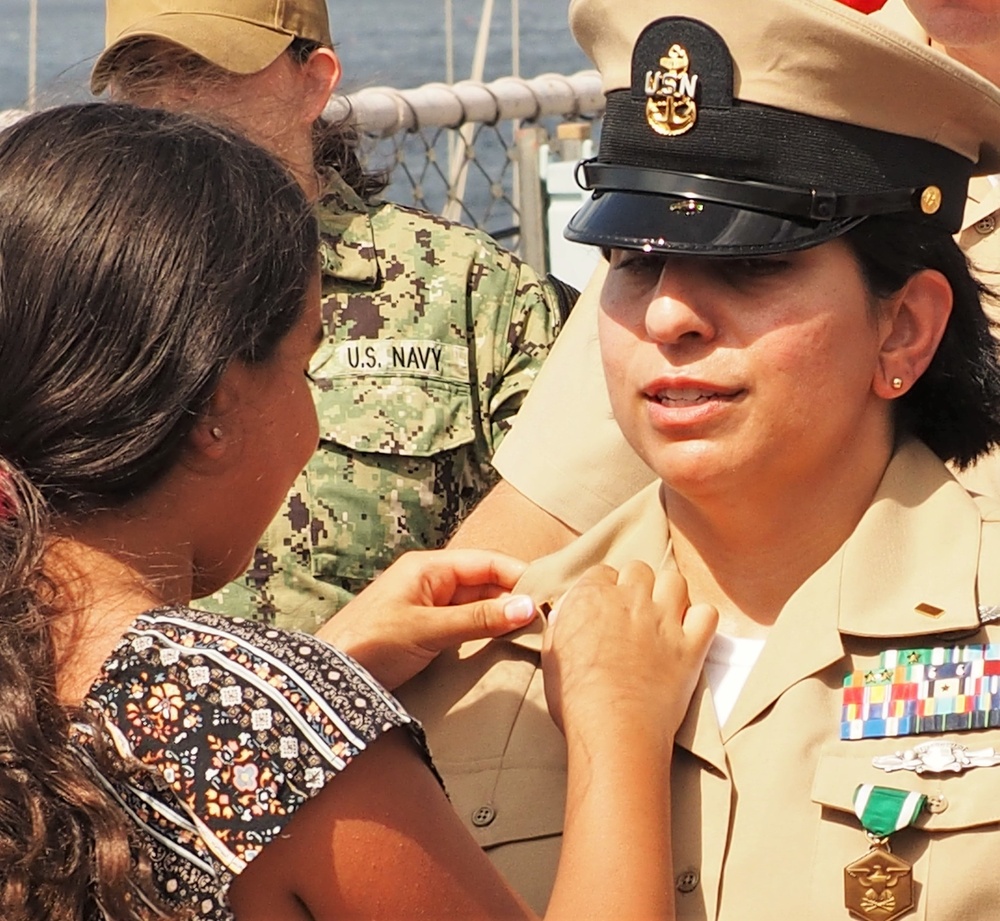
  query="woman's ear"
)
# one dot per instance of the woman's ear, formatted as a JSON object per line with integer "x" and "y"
{"x": 216, "y": 434}
{"x": 914, "y": 320}
{"x": 321, "y": 74}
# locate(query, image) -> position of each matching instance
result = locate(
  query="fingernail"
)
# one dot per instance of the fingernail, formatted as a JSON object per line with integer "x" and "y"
{"x": 519, "y": 609}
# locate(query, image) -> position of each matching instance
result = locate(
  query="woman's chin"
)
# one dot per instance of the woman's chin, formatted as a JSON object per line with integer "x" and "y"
{"x": 691, "y": 467}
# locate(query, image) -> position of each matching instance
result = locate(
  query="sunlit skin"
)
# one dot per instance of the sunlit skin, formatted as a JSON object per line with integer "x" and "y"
{"x": 968, "y": 30}
{"x": 266, "y": 417}
{"x": 195, "y": 529}
{"x": 758, "y": 353}
{"x": 757, "y": 389}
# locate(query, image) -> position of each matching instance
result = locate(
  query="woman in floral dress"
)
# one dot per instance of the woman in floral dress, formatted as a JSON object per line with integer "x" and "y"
{"x": 159, "y": 306}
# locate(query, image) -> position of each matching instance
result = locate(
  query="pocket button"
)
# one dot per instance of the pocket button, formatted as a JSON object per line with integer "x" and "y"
{"x": 483, "y": 816}
{"x": 687, "y": 881}
{"x": 937, "y": 804}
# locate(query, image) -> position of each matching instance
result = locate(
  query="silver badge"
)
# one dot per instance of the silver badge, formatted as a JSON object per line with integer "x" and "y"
{"x": 936, "y": 758}
{"x": 988, "y": 613}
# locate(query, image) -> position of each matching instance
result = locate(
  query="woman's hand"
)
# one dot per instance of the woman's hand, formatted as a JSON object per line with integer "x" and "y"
{"x": 624, "y": 644}
{"x": 425, "y": 602}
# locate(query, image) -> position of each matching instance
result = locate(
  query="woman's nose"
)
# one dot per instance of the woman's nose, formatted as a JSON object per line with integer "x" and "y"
{"x": 677, "y": 311}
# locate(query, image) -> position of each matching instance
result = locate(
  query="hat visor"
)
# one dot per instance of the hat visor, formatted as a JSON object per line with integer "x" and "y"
{"x": 232, "y": 44}
{"x": 660, "y": 223}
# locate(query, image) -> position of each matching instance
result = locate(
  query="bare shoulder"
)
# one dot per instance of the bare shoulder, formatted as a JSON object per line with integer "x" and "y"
{"x": 381, "y": 843}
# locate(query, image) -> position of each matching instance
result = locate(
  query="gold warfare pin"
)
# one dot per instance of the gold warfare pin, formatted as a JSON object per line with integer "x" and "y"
{"x": 670, "y": 90}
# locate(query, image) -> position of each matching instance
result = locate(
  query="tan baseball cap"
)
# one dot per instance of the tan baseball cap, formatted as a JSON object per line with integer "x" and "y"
{"x": 746, "y": 128}
{"x": 242, "y": 36}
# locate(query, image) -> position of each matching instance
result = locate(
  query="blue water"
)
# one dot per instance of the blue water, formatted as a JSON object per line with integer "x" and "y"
{"x": 390, "y": 42}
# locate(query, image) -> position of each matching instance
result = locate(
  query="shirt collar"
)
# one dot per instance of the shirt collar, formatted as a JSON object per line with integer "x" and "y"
{"x": 910, "y": 566}
{"x": 347, "y": 237}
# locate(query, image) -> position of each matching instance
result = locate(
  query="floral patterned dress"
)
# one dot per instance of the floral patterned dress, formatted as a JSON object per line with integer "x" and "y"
{"x": 227, "y": 727}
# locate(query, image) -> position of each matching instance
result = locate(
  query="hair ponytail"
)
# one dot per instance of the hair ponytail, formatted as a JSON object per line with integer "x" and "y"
{"x": 59, "y": 835}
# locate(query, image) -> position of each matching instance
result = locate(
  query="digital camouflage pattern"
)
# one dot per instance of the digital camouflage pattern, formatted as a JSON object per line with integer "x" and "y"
{"x": 434, "y": 336}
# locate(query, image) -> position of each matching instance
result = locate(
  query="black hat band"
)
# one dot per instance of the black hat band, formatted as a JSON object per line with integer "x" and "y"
{"x": 811, "y": 204}
{"x": 746, "y": 142}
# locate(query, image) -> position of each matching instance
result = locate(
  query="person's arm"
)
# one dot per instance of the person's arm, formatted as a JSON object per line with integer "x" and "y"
{"x": 622, "y": 655}
{"x": 516, "y": 317}
{"x": 382, "y": 842}
{"x": 508, "y": 521}
{"x": 565, "y": 463}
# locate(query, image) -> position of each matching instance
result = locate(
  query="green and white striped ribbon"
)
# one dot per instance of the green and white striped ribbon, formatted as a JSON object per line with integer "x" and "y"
{"x": 884, "y": 810}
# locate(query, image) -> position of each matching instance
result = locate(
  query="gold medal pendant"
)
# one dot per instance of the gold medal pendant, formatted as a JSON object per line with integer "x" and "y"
{"x": 878, "y": 886}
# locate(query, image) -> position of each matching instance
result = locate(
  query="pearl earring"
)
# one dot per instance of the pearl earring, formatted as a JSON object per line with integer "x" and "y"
{"x": 897, "y": 383}
{"x": 215, "y": 432}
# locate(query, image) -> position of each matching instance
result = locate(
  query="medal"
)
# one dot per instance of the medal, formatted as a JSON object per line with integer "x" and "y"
{"x": 879, "y": 885}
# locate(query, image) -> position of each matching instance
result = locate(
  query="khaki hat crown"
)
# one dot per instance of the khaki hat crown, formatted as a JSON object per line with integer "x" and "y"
{"x": 241, "y": 36}
{"x": 769, "y": 126}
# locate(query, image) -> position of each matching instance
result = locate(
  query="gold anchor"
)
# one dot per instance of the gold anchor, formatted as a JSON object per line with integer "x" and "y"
{"x": 670, "y": 105}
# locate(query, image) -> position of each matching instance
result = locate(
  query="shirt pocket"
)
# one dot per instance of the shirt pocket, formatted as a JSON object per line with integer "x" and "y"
{"x": 389, "y": 396}
{"x": 514, "y": 806}
{"x": 951, "y": 846}
{"x": 502, "y": 759}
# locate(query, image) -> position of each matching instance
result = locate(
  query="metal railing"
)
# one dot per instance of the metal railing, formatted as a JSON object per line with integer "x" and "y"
{"x": 472, "y": 151}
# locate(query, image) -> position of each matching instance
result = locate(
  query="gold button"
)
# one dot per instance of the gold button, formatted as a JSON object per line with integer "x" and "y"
{"x": 687, "y": 881}
{"x": 930, "y": 200}
{"x": 987, "y": 225}
{"x": 483, "y": 816}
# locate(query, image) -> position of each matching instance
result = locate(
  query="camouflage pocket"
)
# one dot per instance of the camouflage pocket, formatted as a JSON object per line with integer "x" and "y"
{"x": 408, "y": 397}
{"x": 415, "y": 417}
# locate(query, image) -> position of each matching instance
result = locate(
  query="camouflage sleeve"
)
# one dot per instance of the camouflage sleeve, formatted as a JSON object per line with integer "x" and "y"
{"x": 516, "y": 317}
{"x": 570, "y": 458}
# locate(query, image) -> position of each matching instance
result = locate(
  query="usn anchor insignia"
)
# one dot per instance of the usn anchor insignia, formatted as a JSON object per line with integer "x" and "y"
{"x": 670, "y": 92}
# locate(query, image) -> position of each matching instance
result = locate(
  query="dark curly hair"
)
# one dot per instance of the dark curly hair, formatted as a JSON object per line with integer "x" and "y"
{"x": 140, "y": 254}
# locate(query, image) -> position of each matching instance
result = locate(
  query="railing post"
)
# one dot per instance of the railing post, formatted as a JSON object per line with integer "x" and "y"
{"x": 531, "y": 199}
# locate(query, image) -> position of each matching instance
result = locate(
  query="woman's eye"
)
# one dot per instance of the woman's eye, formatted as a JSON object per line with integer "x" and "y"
{"x": 754, "y": 267}
{"x": 637, "y": 262}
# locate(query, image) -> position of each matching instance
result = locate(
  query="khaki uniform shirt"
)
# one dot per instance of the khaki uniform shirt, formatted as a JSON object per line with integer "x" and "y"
{"x": 434, "y": 334}
{"x": 763, "y": 823}
{"x": 568, "y": 455}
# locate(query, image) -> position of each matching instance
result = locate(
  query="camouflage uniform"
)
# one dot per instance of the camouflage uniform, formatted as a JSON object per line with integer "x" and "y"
{"x": 434, "y": 335}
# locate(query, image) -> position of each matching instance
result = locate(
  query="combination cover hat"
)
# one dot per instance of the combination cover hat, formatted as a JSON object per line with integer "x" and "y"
{"x": 752, "y": 128}
{"x": 242, "y": 36}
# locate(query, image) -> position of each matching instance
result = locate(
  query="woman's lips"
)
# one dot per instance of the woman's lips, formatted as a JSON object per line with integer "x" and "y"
{"x": 687, "y": 396}
{"x": 686, "y": 403}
